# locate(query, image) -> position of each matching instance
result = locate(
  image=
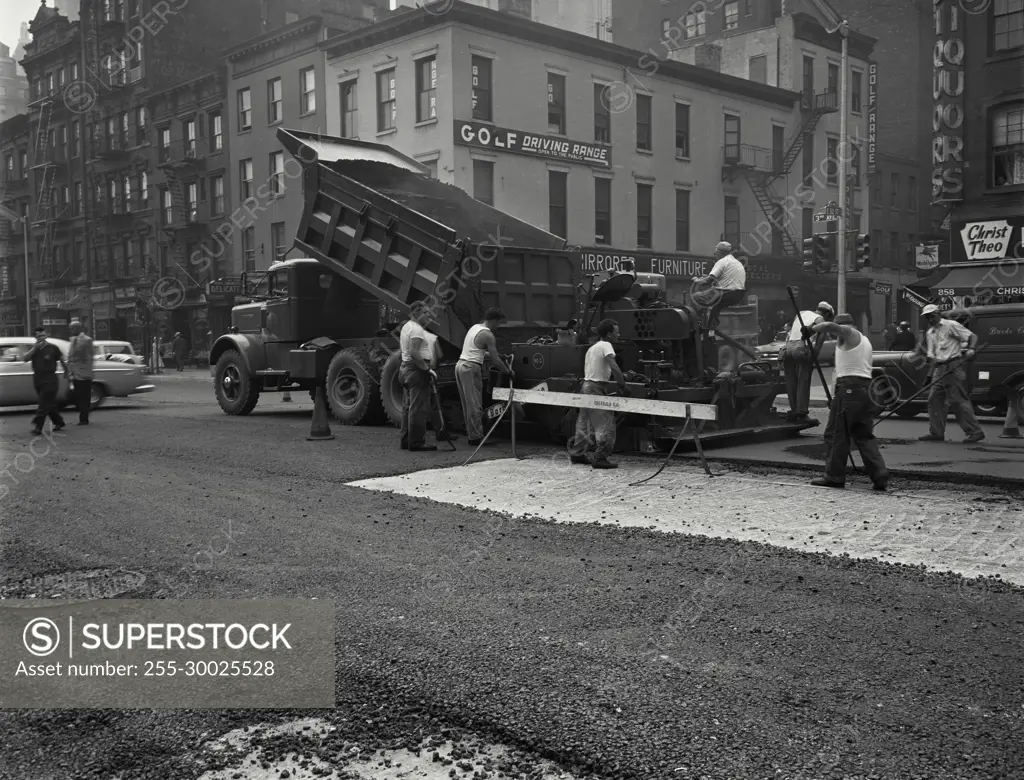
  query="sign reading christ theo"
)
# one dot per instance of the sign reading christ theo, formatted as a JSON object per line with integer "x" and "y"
{"x": 532, "y": 144}
{"x": 948, "y": 104}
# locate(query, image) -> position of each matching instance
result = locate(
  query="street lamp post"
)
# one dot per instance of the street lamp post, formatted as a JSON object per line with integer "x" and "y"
{"x": 844, "y": 30}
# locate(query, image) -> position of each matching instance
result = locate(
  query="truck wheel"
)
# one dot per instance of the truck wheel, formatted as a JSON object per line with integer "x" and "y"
{"x": 237, "y": 392}
{"x": 353, "y": 388}
{"x": 391, "y": 389}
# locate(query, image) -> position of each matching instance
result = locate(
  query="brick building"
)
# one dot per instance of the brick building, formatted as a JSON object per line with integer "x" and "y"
{"x": 13, "y": 86}
{"x": 592, "y": 18}
{"x": 14, "y": 193}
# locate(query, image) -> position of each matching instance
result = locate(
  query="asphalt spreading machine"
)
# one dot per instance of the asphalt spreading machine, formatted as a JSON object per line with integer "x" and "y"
{"x": 379, "y": 237}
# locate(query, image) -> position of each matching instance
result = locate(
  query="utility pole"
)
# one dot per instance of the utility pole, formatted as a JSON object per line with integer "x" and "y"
{"x": 844, "y": 30}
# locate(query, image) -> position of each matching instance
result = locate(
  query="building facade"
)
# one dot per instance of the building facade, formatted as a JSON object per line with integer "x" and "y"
{"x": 978, "y": 152}
{"x": 13, "y": 86}
{"x": 592, "y": 18}
{"x": 15, "y": 195}
{"x": 574, "y": 135}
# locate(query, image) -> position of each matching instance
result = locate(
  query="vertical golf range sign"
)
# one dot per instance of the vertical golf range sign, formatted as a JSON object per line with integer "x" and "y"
{"x": 872, "y": 116}
{"x": 948, "y": 103}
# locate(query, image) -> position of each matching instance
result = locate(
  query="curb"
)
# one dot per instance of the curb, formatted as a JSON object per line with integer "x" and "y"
{"x": 925, "y": 476}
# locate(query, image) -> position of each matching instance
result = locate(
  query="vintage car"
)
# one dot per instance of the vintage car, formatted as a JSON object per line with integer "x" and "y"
{"x": 995, "y": 376}
{"x": 118, "y": 351}
{"x": 110, "y": 378}
{"x": 770, "y": 352}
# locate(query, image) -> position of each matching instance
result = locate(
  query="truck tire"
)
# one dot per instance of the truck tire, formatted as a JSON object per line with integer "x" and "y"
{"x": 391, "y": 389}
{"x": 236, "y": 391}
{"x": 353, "y": 388}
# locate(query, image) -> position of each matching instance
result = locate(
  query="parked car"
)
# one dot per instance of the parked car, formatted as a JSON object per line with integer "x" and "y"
{"x": 770, "y": 352}
{"x": 995, "y": 376}
{"x": 119, "y": 351}
{"x": 110, "y": 378}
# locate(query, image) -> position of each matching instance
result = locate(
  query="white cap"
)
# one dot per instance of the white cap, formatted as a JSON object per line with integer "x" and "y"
{"x": 724, "y": 246}
{"x": 931, "y": 308}
{"x": 826, "y": 306}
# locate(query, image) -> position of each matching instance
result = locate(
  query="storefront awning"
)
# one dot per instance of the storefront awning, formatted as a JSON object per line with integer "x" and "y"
{"x": 1006, "y": 278}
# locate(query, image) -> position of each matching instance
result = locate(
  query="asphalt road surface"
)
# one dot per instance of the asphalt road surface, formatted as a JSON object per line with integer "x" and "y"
{"x": 547, "y": 638}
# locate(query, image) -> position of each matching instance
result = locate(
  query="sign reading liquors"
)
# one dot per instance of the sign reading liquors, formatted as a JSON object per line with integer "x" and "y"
{"x": 532, "y": 144}
{"x": 872, "y": 113}
{"x": 948, "y": 104}
{"x": 994, "y": 239}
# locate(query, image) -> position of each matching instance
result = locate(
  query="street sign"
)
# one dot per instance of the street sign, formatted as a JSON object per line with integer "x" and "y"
{"x": 830, "y": 213}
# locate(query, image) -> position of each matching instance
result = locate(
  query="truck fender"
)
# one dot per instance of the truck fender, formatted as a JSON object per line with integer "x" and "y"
{"x": 248, "y": 346}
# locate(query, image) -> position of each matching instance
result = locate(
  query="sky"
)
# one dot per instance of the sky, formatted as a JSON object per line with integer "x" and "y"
{"x": 12, "y": 14}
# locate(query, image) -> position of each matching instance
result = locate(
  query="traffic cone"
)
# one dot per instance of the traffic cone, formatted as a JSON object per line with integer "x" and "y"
{"x": 320, "y": 430}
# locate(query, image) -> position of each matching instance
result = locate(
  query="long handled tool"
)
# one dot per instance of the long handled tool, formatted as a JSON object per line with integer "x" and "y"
{"x": 950, "y": 367}
{"x": 688, "y": 425}
{"x": 442, "y": 433}
{"x": 483, "y": 441}
{"x": 814, "y": 358}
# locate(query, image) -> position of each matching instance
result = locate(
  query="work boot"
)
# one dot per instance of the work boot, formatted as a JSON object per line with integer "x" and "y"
{"x": 37, "y": 431}
{"x": 975, "y": 437}
{"x": 604, "y": 464}
{"x": 881, "y": 486}
{"x": 579, "y": 460}
{"x": 1010, "y": 433}
{"x": 826, "y": 482}
{"x": 929, "y": 437}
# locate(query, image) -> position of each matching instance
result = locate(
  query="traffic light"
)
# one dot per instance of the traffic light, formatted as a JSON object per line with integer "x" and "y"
{"x": 863, "y": 250}
{"x": 809, "y": 254}
{"x": 822, "y": 253}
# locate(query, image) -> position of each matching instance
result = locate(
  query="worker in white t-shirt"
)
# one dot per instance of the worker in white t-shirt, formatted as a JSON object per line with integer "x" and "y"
{"x": 416, "y": 374}
{"x": 798, "y": 361}
{"x": 725, "y": 286}
{"x": 595, "y": 428}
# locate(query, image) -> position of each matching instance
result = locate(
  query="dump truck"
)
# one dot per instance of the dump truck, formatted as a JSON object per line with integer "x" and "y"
{"x": 381, "y": 237}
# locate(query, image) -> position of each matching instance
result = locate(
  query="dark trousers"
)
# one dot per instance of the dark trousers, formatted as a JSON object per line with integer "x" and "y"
{"x": 46, "y": 392}
{"x": 851, "y": 419}
{"x": 415, "y": 404}
{"x": 798, "y": 370}
{"x": 718, "y": 300}
{"x": 83, "y": 398}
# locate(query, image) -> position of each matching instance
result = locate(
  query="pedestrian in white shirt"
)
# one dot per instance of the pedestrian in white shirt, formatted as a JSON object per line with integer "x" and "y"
{"x": 947, "y": 345}
{"x": 595, "y": 428}
{"x": 725, "y": 286}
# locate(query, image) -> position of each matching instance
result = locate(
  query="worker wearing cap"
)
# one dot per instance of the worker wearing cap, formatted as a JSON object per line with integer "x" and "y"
{"x": 905, "y": 340}
{"x": 595, "y": 428}
{"x": 415, "y": 374}
{"x": 947, "y": 344}
{"x": 852, "y": 412}
{"x": 798, "y": 361}
{"x": 469, "y": 371}
{"x": 728, "y": 284}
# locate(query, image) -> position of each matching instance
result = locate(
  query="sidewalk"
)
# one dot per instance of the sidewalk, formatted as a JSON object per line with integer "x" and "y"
{"x": 190, "y": 374}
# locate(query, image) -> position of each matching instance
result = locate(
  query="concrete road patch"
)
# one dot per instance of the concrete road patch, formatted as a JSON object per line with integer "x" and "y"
{"x": 962, "y": 532}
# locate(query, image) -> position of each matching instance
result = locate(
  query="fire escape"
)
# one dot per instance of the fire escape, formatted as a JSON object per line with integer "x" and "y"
{"x": 49, "y": 163}
{"x": 186, "y": 222}
{"x": 762, "y": 167}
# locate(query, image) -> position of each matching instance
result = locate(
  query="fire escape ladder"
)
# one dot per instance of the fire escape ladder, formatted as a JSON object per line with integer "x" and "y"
{"x": 760, "y": 185}
{"x": 89, "y": 16}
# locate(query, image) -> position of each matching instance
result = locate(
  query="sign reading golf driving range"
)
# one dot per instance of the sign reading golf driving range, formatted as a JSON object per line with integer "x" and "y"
{"x": 532, "y": 144}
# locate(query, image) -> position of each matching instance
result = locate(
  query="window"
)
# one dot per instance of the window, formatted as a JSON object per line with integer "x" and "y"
{"x": 126, "y": 194}
{"x": 79, "y": 204}
{"x": 78, "y": 268}
{"x": 1007, "y": 24}
{"x": 76, "y": 137}
{"x": 833, "y": 78}
{"x": 349, "y": 109}
{"x": 277, "y": 173}
{"x": 666, "y": 28}
{"x": 856, "y": 77}
{"x": 216, "y": 132}
{"x": 1008, "y": 146}
{"x": 644, "y": 197}
{"x": 166, "y": 209}
{"x": 307, "y": 91}
{"x": 602, "y": 114}
{"x": 191, "y": 201}
{"x": 748, "y": 7}
{"x": 894, "y": 190}
{"x": 74, "y": 71}
{"x": 277, "y": 240}
{"x": 894, "y": 250}
{"x": 911, "y": 193}
{"x": 558, "y": 197}
{"x": 778, "y": 147}
{"x": 732, "y": 137}
{"x": 758, "y": 69}
{"x": 249, "y": 248}
{"x": 112, "y": 203}
{"x": 144, "y": 190}
{"x": 140, "y": 124}
{"x": 129, "y": 262}
{"x": 602, "y": 211}
{"x": 60, "y": 77}
{"x": 696, "y": 24}
{"x": 682, "y": 220}
{"x": 244, "y": 109}
{"x": 217, "y": 195}
{"x": 832, "y": 163}
{"x": 387, "y": 112}
{"x": 245, "y": 179}
{"x": 483, "y": 181}
{"x": 643, "y": 122}
{"x": 682, "y": 130}
{"x": 732, "y": 16}
{"x": 808, "y": 85}
{"x": 188, "y": 131}
{"x": 275, "y": 109}
{"x": 482, "y": 89}
{"x": 855, "y": 166}
{"x": 556, "y": 104}
{"x": 431, "y": 167}
{"x": 732, "y": 220}
{"x": 426, "y": 89}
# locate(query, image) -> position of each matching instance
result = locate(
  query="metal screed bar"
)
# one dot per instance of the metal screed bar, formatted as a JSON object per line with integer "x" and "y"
{"x": 610, "y": 403}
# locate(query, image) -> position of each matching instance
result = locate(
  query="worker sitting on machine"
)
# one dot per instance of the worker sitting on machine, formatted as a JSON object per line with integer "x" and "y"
{"x": 725, "y": 286}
